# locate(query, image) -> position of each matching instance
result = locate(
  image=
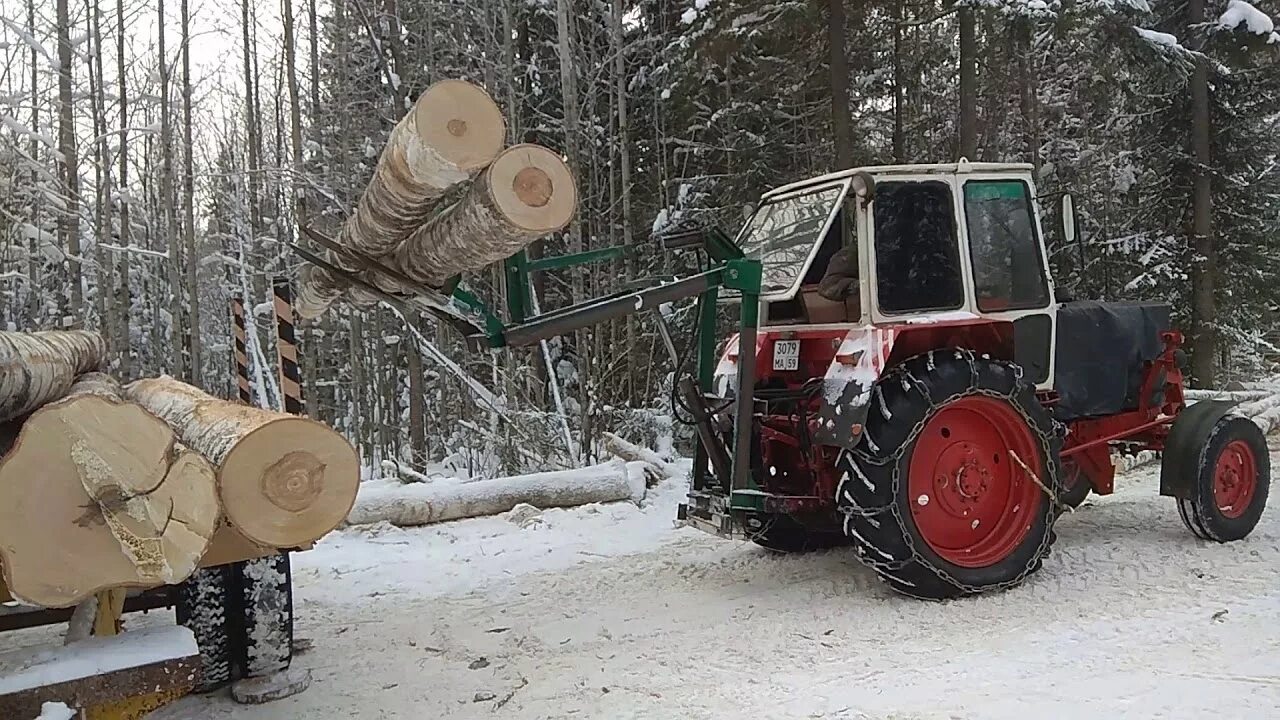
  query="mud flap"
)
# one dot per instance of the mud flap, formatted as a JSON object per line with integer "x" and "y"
{"x": 1187, "y": 440}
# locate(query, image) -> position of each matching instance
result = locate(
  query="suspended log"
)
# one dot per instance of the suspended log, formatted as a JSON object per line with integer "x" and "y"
{"x": 453, "y": 131}
{"x": 96, "y": 493}
{"x": 283, "y": 480}
{"x": 527, "y": 193}
{"x": 421, "y": 504}
{"x": 40, "y": 367}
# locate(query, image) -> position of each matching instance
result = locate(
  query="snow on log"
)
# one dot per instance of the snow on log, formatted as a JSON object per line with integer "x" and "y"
{"x": 284, "y": 480}
{"x": 453, "y": 131}
{"x": 631, "y": 452}
{"x": 527, "y": 193}
{"x": 40, "y": 367}
{"x": 421, "y": 504}
{"x": 96, "y": 493}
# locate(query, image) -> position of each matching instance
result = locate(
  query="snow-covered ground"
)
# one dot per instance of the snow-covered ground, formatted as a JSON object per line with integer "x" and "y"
{"x": 610, "y": 612}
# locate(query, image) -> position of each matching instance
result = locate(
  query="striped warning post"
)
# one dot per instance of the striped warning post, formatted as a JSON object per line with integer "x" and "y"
{"x": 287, "y": 347}
{"x": 241, "y": 351}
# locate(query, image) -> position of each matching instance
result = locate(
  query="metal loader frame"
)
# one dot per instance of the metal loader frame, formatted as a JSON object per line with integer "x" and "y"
{"x": 722, "y": 265}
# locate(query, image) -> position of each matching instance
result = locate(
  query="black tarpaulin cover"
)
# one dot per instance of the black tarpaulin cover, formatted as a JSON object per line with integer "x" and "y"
{"x": 1101, "y": 354}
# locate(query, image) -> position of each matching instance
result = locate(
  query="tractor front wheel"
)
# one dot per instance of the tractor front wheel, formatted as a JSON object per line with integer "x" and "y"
{"x": 1233, "y": 477}
{"x": 1075, "y": 485}
{"x": 953, "y": 489}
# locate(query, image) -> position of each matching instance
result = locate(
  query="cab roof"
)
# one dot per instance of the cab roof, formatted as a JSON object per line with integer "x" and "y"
{"x": 882, "y": 170}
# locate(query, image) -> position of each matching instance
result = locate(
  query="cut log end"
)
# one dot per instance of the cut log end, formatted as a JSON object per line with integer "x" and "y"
{"x": 285, "y": 500}
{"x": 533, "y": 188}
{"x": 95, "y": 494}
{"x": 460, "y": 122}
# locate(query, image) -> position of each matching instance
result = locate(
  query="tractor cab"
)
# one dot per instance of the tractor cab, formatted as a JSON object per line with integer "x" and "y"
{"x": 908, "y": 246}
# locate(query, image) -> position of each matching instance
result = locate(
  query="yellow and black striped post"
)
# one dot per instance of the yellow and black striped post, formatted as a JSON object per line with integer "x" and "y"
{"x": 287, "y": 347}
{"x": 241, "y": 350}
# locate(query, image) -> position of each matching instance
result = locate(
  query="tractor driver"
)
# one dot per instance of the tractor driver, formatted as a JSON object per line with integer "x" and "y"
{"x": 840, "y": 282}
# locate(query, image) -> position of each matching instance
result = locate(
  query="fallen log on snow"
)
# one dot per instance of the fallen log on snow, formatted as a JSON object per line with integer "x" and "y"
{"x": 40, "y": 367}
{"x": 420, "y": 504}
{"x": 96, "y": 493}
{"x": 453, "y": 131}
{"x": 283, "y": 480}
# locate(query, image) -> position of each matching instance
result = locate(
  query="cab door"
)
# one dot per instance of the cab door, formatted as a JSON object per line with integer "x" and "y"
{"x": 1010, "y": 277}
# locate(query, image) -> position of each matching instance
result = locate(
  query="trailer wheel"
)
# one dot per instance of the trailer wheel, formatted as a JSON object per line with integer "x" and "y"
{"x": 783, "y": 534}
{"x": 204, "y": 607}
{"x": 1233, "y": 479}
{"x": 242, "y": 617}
{"x": 954, "y": 486}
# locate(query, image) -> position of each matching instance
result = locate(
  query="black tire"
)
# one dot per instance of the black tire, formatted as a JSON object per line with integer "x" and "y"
{"x": 1230, "y": 440}
{"x": 782, "y": 534}
{"x": 242, "y": 617}
{"x": 873, "y": 494}
{"x": 204, "y": 607}
{"x": 1075, "y": 485}
{"x": 267, "y": 598}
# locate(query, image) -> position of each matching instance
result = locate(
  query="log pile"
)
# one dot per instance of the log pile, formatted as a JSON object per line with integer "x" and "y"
{"x": 104, "y": 486}
{"x": 453, "y": 136}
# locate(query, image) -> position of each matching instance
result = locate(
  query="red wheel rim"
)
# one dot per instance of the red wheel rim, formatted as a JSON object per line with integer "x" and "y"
{"x": 970, "y": 500}
{"x": 1235, "y": 479}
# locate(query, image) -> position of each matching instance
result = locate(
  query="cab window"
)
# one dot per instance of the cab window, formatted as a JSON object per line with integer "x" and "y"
{"x": 917, "y": 256}
{"x": 1008, "y": 271}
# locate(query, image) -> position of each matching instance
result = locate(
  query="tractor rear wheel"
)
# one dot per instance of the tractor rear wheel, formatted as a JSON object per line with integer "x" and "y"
{"x": 953, "y": 488}
{"x": 783, "y": 534}
{"x": 1231, "y": 484}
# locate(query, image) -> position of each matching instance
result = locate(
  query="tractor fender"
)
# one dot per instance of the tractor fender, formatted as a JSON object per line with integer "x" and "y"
{"x": 1187, "y": 440}
{"x": 847, "y": 386}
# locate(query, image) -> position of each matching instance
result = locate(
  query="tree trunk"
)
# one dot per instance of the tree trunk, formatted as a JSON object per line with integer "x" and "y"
{"x": 840, "y": 123}
{"x": 1204, "y": 267}
{"x": 177, "y": 336}
{"x": 283, "y": 480}
{"x": 295, "y": 112}
{"x": 122, "y": 300}
{"x": 423, "y": 503}
{"x": 101, "y": 172}
{"x": 899, "y": 93}
{"x": 96, "y": 494}
{"x": 69, "y": 218}
{"x": 968, "y": 84}
{"x": 40, "y": 367}
{"x": 188, "y": 203}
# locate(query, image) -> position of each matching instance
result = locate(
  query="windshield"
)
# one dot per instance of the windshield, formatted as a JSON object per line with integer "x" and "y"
{"x": 783, "y": 233}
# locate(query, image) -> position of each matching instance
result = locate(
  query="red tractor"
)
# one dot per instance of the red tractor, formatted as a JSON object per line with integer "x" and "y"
{"x": 918, "y": 389}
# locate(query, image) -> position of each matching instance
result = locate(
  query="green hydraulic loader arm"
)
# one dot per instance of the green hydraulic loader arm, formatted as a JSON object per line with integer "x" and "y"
{"x": 724, "y": 266}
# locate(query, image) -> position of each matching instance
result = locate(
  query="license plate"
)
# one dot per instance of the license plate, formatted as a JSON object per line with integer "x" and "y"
{"x": 786, "y": 355}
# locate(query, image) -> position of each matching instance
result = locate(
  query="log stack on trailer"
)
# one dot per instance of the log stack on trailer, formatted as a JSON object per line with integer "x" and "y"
{"x": 108, "y": 489}
{"x": 445, "y": 198}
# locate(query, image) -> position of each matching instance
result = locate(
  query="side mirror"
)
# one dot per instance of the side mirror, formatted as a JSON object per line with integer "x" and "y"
{"x": 864, "y": 187}
{"x": 1068, "y": 218}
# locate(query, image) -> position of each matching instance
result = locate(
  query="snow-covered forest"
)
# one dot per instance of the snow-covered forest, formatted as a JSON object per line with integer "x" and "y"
{"x": 158, "y": 158}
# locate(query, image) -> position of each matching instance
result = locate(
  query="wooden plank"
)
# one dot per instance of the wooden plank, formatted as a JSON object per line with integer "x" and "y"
{"x": 98, "y": 671}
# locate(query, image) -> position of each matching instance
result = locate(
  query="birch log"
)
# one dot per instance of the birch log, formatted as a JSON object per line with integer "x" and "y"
{"x": 283, "y": 480}
{"x": 96, "y": 493}
{"x": 453, "y": 131}
{"x": 40, "y": 367}
{"x": 422, "y": 504}
{"x": 527, "y": 193}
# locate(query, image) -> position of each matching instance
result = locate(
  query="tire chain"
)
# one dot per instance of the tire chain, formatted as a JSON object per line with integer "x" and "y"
{"x": 851, "y": 508}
